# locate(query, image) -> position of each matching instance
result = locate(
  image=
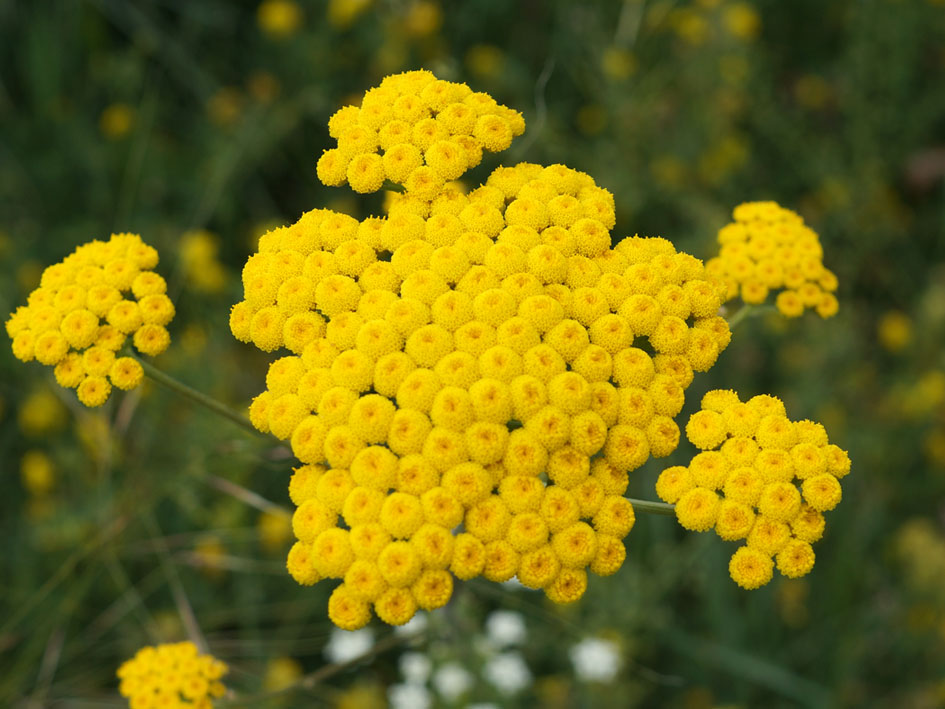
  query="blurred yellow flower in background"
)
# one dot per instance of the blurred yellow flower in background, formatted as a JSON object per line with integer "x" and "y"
{"x": 423, "y": 18}
{"x": 193, "y": 339}
{"x": 689, "y": 26}
{"x": 362, "y": 696}
{"x": 198, "y": 254}
{"x": 225, "y": 106}
{"x": 279, "y": 18}
{"x": 485, "y": 60}
{"x": 37, "y": 472}
{"x": 342, "y": 13}
{"x": 116, "y": 120}
{"x": 894, "y": 330}
{"x": 281, "y": 672}
{"x": 41, "y": 413}
{"x": 618, "y": 63}
{"x": 275, "y": 530}
{"x": 209, "y": 554}
{"x": 742, "y": 20}
{"x": 926, "y": 394}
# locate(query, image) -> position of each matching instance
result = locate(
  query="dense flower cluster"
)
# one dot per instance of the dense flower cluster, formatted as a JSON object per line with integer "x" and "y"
{"x": 471, "y": 379}
{"x": 84, "y": 309}
{"x": 769, "y": 248}
{"x": 776, "y": 478}
{"x": 171, "y": 676}
{"x": 430, "y": 131}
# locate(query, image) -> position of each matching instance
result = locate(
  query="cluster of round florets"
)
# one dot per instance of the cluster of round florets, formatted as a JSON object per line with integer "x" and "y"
{"x": 417, "y": 131}
{"x": 760, "y": 477}
{"x": 171, "y": 675}
{"x": 468, "y": 363}
{"x": 84, "y": 309}
{"x": 769, "y": 248}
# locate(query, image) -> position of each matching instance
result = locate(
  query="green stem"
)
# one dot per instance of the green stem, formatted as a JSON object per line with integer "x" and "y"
{"x": 651, "y": 507}
{"x": 209, "y": 402}
{"x": 748, "y": 311}
{"x": 738, "y": 316}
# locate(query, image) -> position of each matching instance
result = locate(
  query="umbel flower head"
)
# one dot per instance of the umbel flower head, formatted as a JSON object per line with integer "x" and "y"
{"x": 86, "y": 307}
{"x": 415, "y": 130}
{"x": 471, "y": 377}
{"x": 769, "y": 249}
{"x": 761, "y": 478}
{"x": 171, "y": 675}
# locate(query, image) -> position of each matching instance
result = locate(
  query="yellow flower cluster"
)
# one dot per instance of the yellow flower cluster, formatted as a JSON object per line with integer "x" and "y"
{"x": 776, "y": 478}
{"x": 430, "y": 131}
{"x": 81, "y": 314}
{"x": 469, "y": 385}
{"x": 769, "y": 248}
{"x": 171, "y": 676}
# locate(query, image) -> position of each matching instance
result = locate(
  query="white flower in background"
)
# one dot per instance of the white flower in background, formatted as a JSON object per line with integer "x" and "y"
{"x": 507, "y": 672}
{"x": 452, "y": 681}
{"x": 346, "y": 645}
{"x": 409, "y": 696}
{"x": 417, "y": 624}
{"x": 595, "y": 660}
{"x": 415, "y": 667}
{"x": 505, "y": 628}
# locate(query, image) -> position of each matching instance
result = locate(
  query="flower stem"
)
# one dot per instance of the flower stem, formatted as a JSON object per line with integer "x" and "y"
{"x": 209, "y": 402}
{"x": 748, "y": 311}
{"x": 651, "y": 507}
{"x": 738, "y": 316}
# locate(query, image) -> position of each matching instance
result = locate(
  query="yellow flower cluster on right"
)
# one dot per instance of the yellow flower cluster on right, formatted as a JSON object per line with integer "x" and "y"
{"x": 776, "y": 477}
{"x": 171, "y": 676}
{"x": 430, "y": 131}
{"x": 769, "y": 248}
{"x": 62, "y": 324}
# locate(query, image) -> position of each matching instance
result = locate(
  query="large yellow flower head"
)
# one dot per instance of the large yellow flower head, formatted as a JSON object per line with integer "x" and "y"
{"x": 761, "y": 478}
{"x": 84, "y": 310}
{"x": 171, "y": 675}
{"x": 768, "y": 249}
{"x": 470, "y": 377}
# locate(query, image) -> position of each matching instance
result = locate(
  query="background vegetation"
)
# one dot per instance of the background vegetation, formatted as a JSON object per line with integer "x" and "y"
{"x": 198, "y": 125}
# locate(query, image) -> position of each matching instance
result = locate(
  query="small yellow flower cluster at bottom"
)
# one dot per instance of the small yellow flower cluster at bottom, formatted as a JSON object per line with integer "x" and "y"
{"x": 171, "y": 676}
{"x": 777, "y": 478}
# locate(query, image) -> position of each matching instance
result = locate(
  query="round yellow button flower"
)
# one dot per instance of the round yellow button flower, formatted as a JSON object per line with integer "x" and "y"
{"x": 173, "y": 674}
{"x": 750, "y": 568}
{"x": 775, "y": 477}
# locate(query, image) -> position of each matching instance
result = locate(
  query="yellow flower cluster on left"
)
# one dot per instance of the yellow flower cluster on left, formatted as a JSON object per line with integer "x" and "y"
{"x": 776, "y": 477}
{"x": 171, "y": 676}
{"x": 85, "y": 308}
{"x": 769, "y": 248}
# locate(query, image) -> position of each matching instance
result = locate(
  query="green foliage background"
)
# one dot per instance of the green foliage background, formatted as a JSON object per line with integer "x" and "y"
{"x": 168, "y": 117}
